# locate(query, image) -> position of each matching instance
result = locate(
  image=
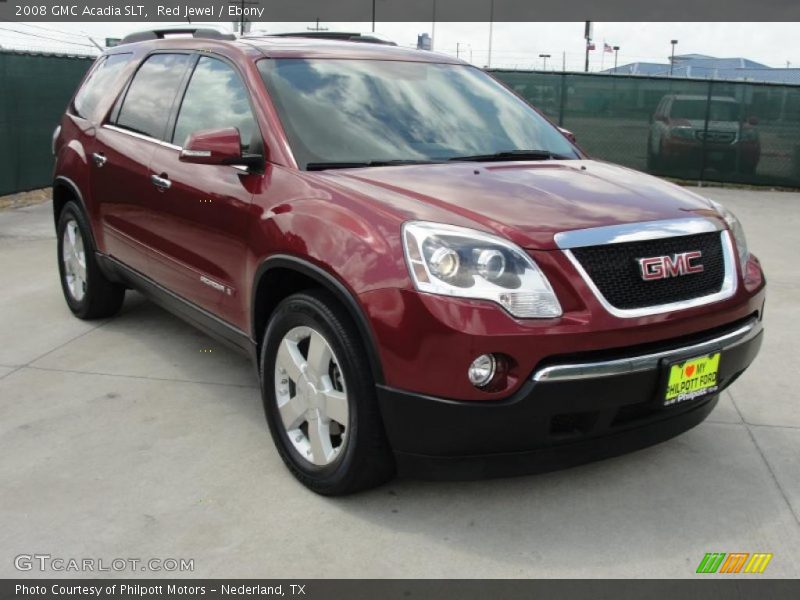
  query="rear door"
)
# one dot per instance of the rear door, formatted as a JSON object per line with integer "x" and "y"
{"x": 198, "y": 224}
{"x": 123, "y": 149}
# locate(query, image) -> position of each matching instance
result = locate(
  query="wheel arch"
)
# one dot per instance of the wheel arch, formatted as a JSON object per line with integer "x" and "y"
{"x": 281, "y": 275}
{"x": 64, "y": 190}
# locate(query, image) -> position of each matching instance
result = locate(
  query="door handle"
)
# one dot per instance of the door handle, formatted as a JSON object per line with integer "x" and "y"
{"x": 162, "y": 182}
{"x": 99, "y": 159}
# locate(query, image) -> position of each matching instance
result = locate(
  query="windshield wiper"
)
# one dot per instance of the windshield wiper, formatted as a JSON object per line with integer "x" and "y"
{"x": 513, "y": 155}
{"x": 321, "y": 166}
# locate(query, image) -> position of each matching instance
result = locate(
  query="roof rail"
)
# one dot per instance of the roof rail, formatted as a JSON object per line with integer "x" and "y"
{"x": 160, "y": 34}
{"x": 365, "y": 38}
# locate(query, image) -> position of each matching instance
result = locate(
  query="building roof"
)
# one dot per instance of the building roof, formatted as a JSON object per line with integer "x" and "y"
{"x": 700, "y": 66}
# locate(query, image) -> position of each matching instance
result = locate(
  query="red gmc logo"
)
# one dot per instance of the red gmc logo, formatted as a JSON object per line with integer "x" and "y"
{"x": 663, "y": 267}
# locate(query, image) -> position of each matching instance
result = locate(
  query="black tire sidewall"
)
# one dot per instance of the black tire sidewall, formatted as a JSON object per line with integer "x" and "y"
{"x": 311, "y": 311}
{"x": 71, "y": 212}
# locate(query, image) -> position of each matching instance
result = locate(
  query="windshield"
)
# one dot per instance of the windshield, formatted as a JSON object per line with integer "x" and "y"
{"x": 362, "y": 111}
{"x": 695, "y": 110}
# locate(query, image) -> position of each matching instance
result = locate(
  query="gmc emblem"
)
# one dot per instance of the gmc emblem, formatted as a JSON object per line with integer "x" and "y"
{"x": 663, "y": 267}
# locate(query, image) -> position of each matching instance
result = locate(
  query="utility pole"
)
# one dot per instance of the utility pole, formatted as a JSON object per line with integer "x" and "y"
{"x": 587, "y": 34}
{"x": 458, "y": 49}
{"x": 672, "y": 59}
{"x": 563, "y": 60}
{"x": 616, "y": 51}
{"x": 317, "y": 27}
{"x": 373, "y": 16}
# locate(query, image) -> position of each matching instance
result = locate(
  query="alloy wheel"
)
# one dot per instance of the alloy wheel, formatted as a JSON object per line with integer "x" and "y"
{"x": 312, "y": 396}
{"x": 73, "y": 256}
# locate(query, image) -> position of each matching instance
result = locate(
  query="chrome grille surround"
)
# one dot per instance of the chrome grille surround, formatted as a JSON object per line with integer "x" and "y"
{"x": 651, "y": 230}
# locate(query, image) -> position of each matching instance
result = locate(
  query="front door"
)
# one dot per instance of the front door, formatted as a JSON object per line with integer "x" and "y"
{"x": 199, "y": 217}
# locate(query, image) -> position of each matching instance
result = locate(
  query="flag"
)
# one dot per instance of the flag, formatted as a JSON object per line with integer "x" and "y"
{"x": 607, "y": 48}
{"x": 590, "y": 45}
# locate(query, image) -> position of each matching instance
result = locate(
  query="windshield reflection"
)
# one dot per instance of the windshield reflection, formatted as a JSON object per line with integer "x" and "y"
{"x": 360, "y": 111}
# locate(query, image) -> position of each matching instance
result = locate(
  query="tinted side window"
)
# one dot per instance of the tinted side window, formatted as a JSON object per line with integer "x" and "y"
{"x": 147, "y": 104}
{"x": 215, "y": 98}
{"x": 99, "y": 82}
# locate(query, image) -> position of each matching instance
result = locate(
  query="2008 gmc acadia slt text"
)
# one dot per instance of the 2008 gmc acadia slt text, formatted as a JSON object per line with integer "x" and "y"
{"x": 429, "y": 275}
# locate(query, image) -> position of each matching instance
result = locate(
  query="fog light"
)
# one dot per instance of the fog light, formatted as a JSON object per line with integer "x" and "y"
{"x": 481, "y": 371}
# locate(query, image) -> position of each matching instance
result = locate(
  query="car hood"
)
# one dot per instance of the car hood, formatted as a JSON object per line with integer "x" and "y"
{"x": 528, "y": 202}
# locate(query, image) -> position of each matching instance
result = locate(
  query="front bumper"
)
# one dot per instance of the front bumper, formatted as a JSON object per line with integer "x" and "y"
{"x": 567, "y": 413}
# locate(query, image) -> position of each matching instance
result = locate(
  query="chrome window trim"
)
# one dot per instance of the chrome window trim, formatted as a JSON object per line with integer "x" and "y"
{"x": 153, "y": 140}
{"x": 636, "y": 232}
{"x": 728, "y": 289}
{"x": 141, "y": 136}
{"x": 645, "y": 362}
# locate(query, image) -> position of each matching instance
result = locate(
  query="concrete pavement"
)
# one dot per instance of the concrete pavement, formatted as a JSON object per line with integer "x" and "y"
{"x": 139, "y": 437}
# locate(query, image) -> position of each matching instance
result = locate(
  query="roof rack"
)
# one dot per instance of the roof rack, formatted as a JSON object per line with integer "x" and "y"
{"x": 337, "y": 35}
{"x": 160, "y": 34}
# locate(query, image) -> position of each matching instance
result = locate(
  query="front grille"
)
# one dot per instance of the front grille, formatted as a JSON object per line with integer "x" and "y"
{"x": 716, "y": 137}
{"x": 615, "y": 270}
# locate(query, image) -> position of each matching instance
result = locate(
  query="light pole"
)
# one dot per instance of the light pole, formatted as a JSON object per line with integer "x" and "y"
{"x": 544, "y": 58}
{"x": 672, "y": 59}
{"x": 433, "y": 24}
{"x": 616, "y": 51}
{"x": 491, "y": 31}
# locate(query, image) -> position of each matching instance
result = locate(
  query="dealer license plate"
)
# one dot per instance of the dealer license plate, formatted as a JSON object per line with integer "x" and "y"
{"x": 692, "y": 379}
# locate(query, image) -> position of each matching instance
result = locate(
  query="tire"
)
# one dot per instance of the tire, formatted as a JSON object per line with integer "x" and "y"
{"x": 88, "y": 293}
{"x": 356, "y": 455}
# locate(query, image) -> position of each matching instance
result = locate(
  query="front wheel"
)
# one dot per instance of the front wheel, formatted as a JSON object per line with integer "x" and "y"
{"x": 319, "y": 397}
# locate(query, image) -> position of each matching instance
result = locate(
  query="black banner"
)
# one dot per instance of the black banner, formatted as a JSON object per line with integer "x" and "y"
{"x": 715, "y": 587}
{"x": 398, "y": 11}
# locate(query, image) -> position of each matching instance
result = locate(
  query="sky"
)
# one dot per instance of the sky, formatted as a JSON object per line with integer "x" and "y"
{"x": 514, "y": 45}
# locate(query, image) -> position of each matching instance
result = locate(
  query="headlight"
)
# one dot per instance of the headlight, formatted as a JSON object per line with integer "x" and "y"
{"x": 455, "y": 261}
{"x": 737, "y": 230}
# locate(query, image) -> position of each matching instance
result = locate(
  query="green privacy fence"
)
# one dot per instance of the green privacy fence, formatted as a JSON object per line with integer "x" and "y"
{"x": 740, "y": 132}
{"x": 693, "y": 129}
{"x": 34, "y": 90}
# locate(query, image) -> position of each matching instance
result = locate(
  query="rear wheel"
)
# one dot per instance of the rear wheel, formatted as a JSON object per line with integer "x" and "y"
{"x": 89, "y": 294}
{"x": 319, "y": 397}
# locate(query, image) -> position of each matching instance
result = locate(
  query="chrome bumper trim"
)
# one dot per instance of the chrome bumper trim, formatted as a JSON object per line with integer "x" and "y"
{"x": 645, "y": 362}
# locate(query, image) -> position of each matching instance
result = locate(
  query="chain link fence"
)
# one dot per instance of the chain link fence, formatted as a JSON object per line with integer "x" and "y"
{"x": 726, "y": 131}
{"x": 34, "y": 91}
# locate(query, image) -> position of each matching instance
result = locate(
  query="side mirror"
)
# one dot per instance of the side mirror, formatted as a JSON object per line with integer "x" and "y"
{"x": 752, "y": 120}
{"x": 219, "y": 147}
{"x": 568, "y": 134}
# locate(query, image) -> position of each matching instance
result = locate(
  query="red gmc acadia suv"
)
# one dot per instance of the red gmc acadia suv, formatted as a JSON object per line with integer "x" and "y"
{"x": 429, "y": 275}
